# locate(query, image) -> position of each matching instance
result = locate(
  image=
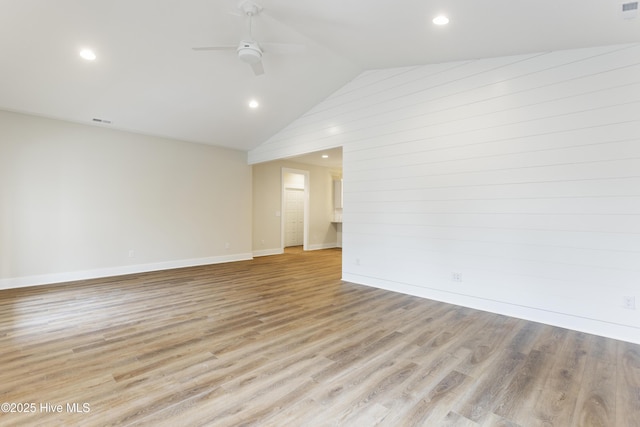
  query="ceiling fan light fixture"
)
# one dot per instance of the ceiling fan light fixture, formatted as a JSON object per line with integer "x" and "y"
{"x": 249, "y": 52}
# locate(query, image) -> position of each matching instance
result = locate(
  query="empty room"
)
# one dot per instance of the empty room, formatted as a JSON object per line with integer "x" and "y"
{"x": 319, "y": 213}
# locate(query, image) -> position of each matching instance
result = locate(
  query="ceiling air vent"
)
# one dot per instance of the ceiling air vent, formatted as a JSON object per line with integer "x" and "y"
{"x": 108, "y": 122}
{"x": 629, "y": 10}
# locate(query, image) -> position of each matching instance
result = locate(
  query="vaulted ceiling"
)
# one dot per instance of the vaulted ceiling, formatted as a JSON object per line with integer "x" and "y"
{"x": 146, "y": 77}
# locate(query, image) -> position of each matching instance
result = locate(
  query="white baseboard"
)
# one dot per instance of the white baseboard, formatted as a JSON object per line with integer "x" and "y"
{"x": 320, "y": 246}
{"x": 279, "y": 251}
{"x": 267, "y": 252}
{"x": 47, "y": 279}
{"x": 563, "y": 320}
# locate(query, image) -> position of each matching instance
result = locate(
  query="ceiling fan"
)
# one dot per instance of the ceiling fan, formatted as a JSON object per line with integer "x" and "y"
{"x": 249, "y": 50}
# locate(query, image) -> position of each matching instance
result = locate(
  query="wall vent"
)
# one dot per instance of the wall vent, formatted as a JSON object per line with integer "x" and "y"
{"x": 108, "y": 122}
{"x": 629, "y": 10}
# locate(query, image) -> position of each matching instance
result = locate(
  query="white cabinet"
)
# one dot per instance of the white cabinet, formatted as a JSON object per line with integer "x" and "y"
{"x": 337, "y": 210}
{"x": 337, "y": 194}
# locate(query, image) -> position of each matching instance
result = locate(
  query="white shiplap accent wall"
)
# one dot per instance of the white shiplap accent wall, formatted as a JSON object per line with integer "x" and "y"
{"x": 520, "y": 173}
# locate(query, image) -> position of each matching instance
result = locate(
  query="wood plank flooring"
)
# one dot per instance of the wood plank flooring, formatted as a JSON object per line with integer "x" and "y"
{"x": 282, "y": 341}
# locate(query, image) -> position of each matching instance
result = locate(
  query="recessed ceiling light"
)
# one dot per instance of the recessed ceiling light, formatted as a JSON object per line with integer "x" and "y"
{"x": 440, "y": 20}
{"x": 88, "y": 54}
{"x": 325, "y": 156}
{"x": 253, "y": 104}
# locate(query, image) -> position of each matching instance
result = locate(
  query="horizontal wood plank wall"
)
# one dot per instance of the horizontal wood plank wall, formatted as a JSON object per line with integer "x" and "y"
{"x": 520, "y": 174}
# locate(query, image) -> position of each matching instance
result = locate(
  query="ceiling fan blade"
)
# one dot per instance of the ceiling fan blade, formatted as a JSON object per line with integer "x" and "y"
{"x": 257, "y": 67}
{"x": 283, "y": 48}
{"x": 229, "y": 47}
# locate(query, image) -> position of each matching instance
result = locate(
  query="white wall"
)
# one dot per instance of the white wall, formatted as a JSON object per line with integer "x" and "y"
{"x": 76, "y": 199}
{"x": 520, "y": 173}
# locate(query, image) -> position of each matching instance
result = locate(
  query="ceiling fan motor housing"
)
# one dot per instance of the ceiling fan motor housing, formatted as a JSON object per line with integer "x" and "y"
{"x": 249, "y": 52}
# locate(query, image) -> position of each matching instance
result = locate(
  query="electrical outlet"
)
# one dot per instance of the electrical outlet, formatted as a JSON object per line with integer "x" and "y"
{"x": 132, "y": 253}
{"x": 357, "y": 261}
{"x": 227, "y": 245}
{"x": 629, "y": 302}
{"x": 456, "y": 277}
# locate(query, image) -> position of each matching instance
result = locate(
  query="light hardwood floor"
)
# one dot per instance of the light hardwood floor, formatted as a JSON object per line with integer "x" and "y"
{"x": 282, "y": 341}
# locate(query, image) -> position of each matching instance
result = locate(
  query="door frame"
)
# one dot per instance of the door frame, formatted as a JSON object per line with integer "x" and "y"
{"x": 305, "y": 238}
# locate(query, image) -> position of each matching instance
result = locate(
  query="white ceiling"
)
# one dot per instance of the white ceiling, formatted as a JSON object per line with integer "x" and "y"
{"x": 147, "y": 78}
{"x": 332, "y": 159}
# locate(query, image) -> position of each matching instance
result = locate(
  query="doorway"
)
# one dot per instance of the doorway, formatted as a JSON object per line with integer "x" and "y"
{"x": 295, "y": 208}
{"x": 293, "y": 217}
